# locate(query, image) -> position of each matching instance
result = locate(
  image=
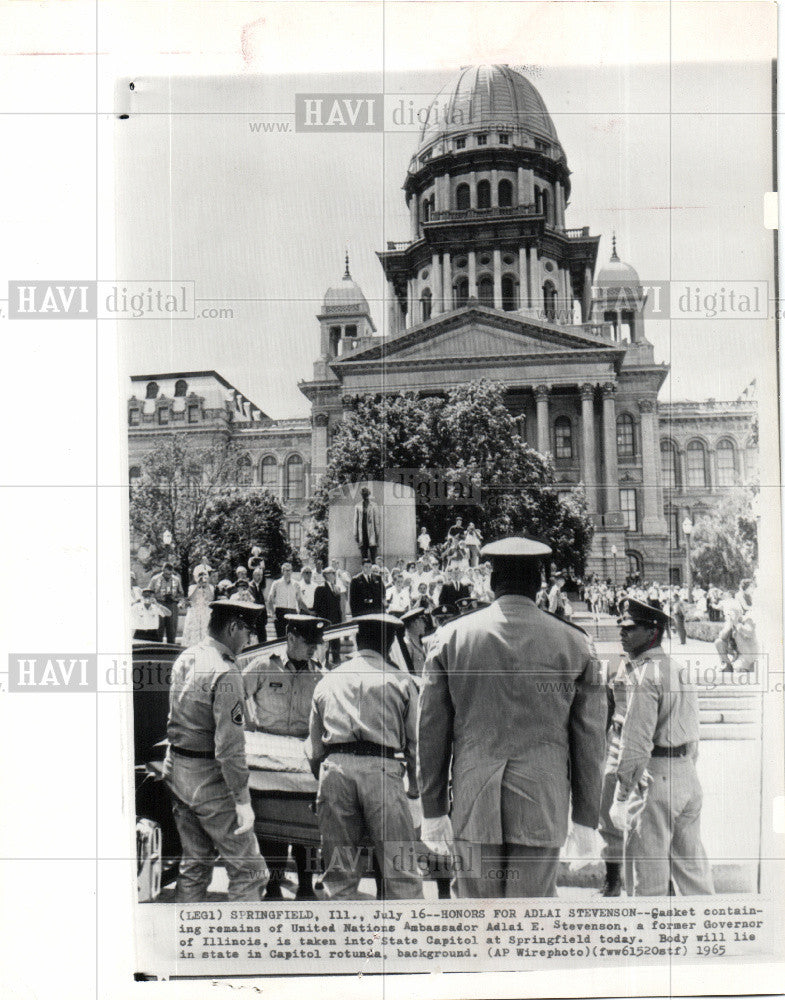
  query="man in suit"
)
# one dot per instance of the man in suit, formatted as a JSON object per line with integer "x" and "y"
{"x": 367, "y": 525}
{"x": 454, "y": 591}
{"x": 327, "y": 604}
{"x": 512, "y": 703}
{"x": 366, "y": 591}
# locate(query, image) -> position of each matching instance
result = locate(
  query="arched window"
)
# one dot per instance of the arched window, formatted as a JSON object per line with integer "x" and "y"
{"x": 546, "y": 206}
{"x": 628, "y": 504}
{"x": 134, "y": 474}
{"x": 461, "y": 292}
{"x": 505, "y": 193}
{"x": 269, "y": 470}
{"x": 294, "y": 482}
{"x": 152, "y": 390}
{"x": 244, "y": 471}
{"x": 462, "y": 197}
{"x": 509, "y": 298}
{"x": 181, "y": 387}
{"x": 484, "y": 194}
{"x": 537, "y": 200}
{"x": 696, "y": 464}
{"x": 485, "y": 290}
{"x": 625, "y": 436}
{"x": 563, "y": 431}
{"x": 549, "y": 300}
{"x": 669, "y": 463}
{"x": 726, "y": 463}
{"x": 635, "y": 565}
{"x": 425, "y": 304}
{"x": 426, "y": 210}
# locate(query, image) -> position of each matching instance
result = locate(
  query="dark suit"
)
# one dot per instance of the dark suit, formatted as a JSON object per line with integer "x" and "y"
{"x": 366, "y": 595}
{"x": 512, "y": 706}
{"x": 327, "y": 604}
{"x": 451, "y": 593}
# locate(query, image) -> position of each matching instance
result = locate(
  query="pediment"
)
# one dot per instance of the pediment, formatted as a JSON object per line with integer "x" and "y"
{"x": 474, "y": 342}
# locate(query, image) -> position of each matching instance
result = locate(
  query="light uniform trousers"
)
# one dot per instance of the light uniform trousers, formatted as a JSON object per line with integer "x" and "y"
{"x": 206, "y": 820}
{"x": 499, "y": 871}
{"x": 612, "y": 837}
{"x": 666, "y": 844}
{"x": 362, "y": 800}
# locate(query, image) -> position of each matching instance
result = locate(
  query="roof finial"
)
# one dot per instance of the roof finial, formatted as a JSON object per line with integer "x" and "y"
{"x": 614, "y": 255}
{"x": 346, "y": 275}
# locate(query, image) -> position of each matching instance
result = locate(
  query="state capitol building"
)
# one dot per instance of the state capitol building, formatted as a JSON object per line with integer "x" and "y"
{"x": 492, "y": 284}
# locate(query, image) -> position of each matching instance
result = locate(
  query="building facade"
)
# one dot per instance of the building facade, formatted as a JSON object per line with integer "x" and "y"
{"x": 492, "y": 284}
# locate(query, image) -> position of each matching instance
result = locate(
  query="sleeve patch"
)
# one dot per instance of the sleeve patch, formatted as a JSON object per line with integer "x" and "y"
{"x": 237, "y": 714}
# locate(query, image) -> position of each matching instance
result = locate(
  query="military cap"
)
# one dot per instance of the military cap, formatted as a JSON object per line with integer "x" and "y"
{"x": 466, "y": 604}
{"x": 634, "y": 612}
{"x": 445, "y": 611}
{"x": 246, "y": 610}
{"x": 308, "y": 627}
{"x": 147, "y": 590}
{"x": 412, "y": 615}
{"x": 377, "y": 621}
{"x": 515, "y": 548}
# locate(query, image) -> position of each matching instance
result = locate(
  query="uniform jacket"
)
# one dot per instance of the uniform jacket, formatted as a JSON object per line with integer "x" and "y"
{"x": 512, "y": 684}
{"x": 327, "y": 604}
{"x": 374, "y": 527}
{"x": 279, "y": 696}
{"x": 366, "y": 595}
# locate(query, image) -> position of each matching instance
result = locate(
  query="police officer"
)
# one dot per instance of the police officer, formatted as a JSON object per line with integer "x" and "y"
{"x": 658, "y": 797}
{"x": 512, "y": 705}
{"x": 363, "y": 738}
{"x": 279, "y": 693}
{"x": 205, "y": 766}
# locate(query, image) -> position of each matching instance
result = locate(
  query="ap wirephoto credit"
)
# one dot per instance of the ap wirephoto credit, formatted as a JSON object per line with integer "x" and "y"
{"x": 450, "y": 377}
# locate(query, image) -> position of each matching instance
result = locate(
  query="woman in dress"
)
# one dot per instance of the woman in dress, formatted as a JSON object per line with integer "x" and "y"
{"x": 199, "y": 596}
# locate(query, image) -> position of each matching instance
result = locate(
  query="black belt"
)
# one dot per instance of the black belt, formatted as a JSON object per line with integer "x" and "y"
{"x": 199, "y": 754}
{"x": 362, "y": 748}
{"x": 671, "y": 751}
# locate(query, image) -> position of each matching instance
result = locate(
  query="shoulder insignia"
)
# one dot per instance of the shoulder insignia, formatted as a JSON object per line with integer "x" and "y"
{"x": 237, "y": 714}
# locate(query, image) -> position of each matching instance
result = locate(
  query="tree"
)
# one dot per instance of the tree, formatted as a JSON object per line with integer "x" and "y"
{"x": 173, "y": 495}
{"x": 464, "y": 444}
{"x": 238, "y": 518}
{"x": 724, "y": 543}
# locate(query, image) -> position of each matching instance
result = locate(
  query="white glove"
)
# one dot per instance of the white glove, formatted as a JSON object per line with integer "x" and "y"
{"x": 618, "y": 812}
{"x": 245, "y": 818}
{"x": 585, "y": 846}
{"x": 415, "y": 808}
{"x": 437, "y": 835}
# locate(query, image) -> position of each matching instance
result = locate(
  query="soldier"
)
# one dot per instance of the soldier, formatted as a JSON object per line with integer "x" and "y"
{"x": 279, "y": 694}
{"x": 205, "y": 766}
{"x": 658, "y": 797}
{"x": 363, "y": 738}
{"x": 511, "y": 703}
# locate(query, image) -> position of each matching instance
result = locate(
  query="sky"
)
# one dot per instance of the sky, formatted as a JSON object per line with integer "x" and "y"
{"x": 672, "y": 153}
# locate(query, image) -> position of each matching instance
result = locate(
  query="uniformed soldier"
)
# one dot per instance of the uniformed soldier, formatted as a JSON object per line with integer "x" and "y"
{"x": 444, "y": 613}
{"x": 513, "y": 706}
{"x": 279, "y": 693}
{"x": 658, "y": 797}
{"x": 415, "y": 622}
{"x": 205, "y": 766}
{"x": 363, "y": 739}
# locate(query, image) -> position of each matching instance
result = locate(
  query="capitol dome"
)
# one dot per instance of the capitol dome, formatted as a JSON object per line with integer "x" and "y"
{"x": 346, "y": 297}
{"x": 485, "y": 96}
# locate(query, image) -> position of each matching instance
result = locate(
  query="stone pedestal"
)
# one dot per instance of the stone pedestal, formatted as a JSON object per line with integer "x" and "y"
{"x": 397, "y": 514}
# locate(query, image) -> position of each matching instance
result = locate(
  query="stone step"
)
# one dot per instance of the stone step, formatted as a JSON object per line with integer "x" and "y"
{"x": 726, "y": 717}
{"x": 729, "y": 731}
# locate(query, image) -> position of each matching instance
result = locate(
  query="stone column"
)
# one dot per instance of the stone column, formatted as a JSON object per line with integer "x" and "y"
{"x": 609, "y": 448}
{"x": 497, "y": 279}
{"x": 494, "y": 188}
{"x": 281, "y": 479}
{"x": 319, "y": 445}
{"x": 447, "y": 282}
{"x": 436, "y": 286}
{"x": 392, "y": 309}
{"x": 523, "y": 278}
{"x": 588, "y": 456}
{"x": 472, "y": 274}
{"x": 531, "y": 262}
{"x": 414, "y": 304}
{"x": 541, "y": 393}
{"x": 586, "y": 298}
{"x": 413, "y": 216}
{"x": 525, "y": 192}
{"x": 473, "y": 189}
{"x": 653, "y": 513}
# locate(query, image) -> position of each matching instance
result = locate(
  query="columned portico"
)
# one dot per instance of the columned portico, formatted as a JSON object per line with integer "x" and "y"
{"x": 609, "y": 452}
{"x": 541, "y": 394}
{"x": 588, "y": 456}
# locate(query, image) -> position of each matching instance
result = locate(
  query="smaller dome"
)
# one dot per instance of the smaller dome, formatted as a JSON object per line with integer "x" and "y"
{"x": 346, "y": 297}
{"x": 617, "y": 274}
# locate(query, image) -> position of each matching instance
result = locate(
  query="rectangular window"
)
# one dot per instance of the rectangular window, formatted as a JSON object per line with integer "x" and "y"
{"x": 134, "y": 418}
{"x": 673, "y": 529}
{"x": 295, "y": 533}
{"x": 625, "y": 437}
{"x": 726, "y": 466}
{"x": 628, "y": 501}
{"x": 193, "y": 414}
{"x": 460, "y": 143}
{"x": 504, "y": 138}
{"x": 696, "y": 465}
{"x": 563, "y": 433}
{"x": 482, "y": 139}
{"x": 163, "y": 415}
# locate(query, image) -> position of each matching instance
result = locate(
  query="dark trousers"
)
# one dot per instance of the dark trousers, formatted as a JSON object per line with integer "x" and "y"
{"x": 280, "y": 621}
{"x": 148, "y": 634}
{"x": 369, "y": 551}
{"x": 276, "y": 854}
{"x": 505, "y": 871}
{"x": 167, "y": 630}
